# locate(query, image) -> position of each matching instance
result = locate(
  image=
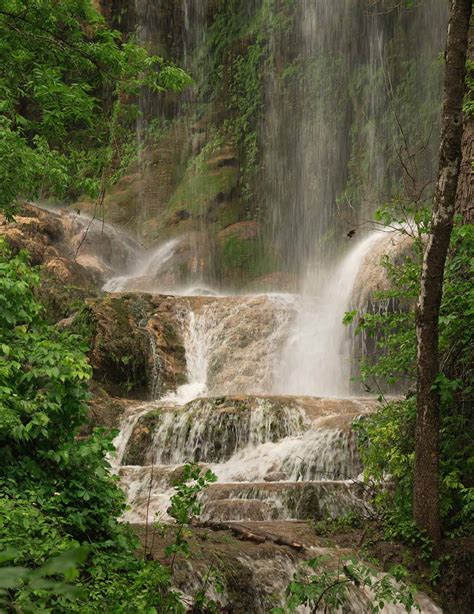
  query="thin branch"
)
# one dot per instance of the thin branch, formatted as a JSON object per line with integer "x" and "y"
{"x": 53, "y": 37}
{"x": 326, "y": 590}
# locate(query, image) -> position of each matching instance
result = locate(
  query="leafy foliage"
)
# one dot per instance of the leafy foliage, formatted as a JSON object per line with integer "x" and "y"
{"x": 329, "y": 588}
{"x": 67, "y": 88}
{"x": 387, "y": 438}
{"x": 468, "y": 107}
{"x": 57, "y": 493}
{"x": 185, "y": 506}
{"x": 41, "y": 580}
{"x": 42, "y": 372}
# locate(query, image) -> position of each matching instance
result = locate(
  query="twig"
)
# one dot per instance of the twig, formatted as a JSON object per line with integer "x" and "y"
{"x": 148, "y": 504}
{"x": 52, "y": 37}
{"x": 326, "y": 590}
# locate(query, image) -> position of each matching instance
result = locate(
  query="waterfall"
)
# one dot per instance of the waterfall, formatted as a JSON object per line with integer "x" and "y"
{"x": 268, "y": 403}
{"x": 144, "y": 275}
{"x": 327, "y": 130}
{"x": 332, "y": 136}
{"x": 317, "y": 357}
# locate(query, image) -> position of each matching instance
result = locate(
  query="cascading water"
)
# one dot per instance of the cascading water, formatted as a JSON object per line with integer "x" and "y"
{"x": 340, "y": 116}
{"x": 317, "y": 358}
{"x": 277, "y": 458}
{"x": 258, "y": 365}
{"x": 143, "y": 273}
{"x": 287, "y": 449}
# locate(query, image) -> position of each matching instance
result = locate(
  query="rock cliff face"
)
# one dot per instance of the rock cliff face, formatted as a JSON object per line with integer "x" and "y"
{"x": 136, "y": 347}
{"x": 288, "y": 137}
{"x": 73, "y": 248}
{"x": 45, "y": 236}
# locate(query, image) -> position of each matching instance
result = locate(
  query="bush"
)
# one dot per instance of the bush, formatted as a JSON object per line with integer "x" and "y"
{"x": 57, "y": 491}
{"x": 386, "y": 439}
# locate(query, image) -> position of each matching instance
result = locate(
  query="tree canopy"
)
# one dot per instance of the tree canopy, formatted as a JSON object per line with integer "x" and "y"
{"x": 68, "y": 90}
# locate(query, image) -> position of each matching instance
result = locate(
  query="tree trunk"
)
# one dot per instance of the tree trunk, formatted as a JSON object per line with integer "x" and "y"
{"x": 465, "y": 193}
{"x": 426, "y": 479}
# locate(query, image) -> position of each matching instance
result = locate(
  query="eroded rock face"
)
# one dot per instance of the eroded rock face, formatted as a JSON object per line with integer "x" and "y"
{"x": 210, "y": 430}
{"x": 373, "y": 277}
{"x": 104, "y": 410}
{"x": 101, "y": 248}
{"x": 42, "y": 234}
{"x": 315, "y": 500}
{"x": 73, "y": 248}
{"x": 135, "y": 345}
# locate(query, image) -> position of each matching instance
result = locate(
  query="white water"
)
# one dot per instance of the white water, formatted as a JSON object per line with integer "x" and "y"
{"x": 233, "y": 343}
{"x": 147, "y": 266}
{"x": 257, "y": 447}
{"x": 317, "y": 357}
{"x": 275, "y": 458}
{"x": 249, "y": 345}
{"x": 296, "y": 345}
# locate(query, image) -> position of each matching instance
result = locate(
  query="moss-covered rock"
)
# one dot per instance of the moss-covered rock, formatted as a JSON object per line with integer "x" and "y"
{"x": 141, "y": 438}
{"x": 207, "y": 184}
{"x": 210, "y": 430}
{"x": 104, "y": 411}
{"x": 119, "y": 345}
{"x": 63, "y": 302}
{"x": 135, "y": 347}
{"x": 240, "y": 251}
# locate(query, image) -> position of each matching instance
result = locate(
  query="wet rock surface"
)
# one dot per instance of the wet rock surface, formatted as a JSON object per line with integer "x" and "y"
{"x": 372, "y": 276}
{"x": 284, "y": 500}
{"x": 274, "y": 457}
{"x": 43, "y": 234}
{"x": 136, "y": 349}
{"x": 76, "y": 249}
{"x": 255, "y": 561}
{"x": 241, "y": 338}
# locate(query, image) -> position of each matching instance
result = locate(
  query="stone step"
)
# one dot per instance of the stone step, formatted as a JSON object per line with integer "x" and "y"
{"x": 213, "y": 429}
{"x": 283, "y": 500}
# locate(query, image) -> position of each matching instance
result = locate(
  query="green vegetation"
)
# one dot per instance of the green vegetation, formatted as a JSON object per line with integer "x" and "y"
{"x": 243, "y": 256}
{"x": 386, "y": 439}
{"x": 327, "y": 588}
{"x": 206, "y": 178}
{"x": 412, "y": 103}
{"x": 67, "y": 87}
{"x": 65, "y": 550}
{"x": 237, "y": 58}
{"x": 43, "y": 371}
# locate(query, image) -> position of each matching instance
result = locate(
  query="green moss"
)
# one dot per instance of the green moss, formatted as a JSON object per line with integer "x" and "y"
{"x": 119, "y": 348}
{"x": 60, "y": 301}
{"x": 243, "y": 258}
{"x": 181, "y": 379}
{"x": 152, "y": 419}
{"x": 237, "y": 58}
{"x": 81, "y": 324}
{"x": 238, "y": 253}
{"x": 226, "y": 214}
{"x": 208, "y": 178}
